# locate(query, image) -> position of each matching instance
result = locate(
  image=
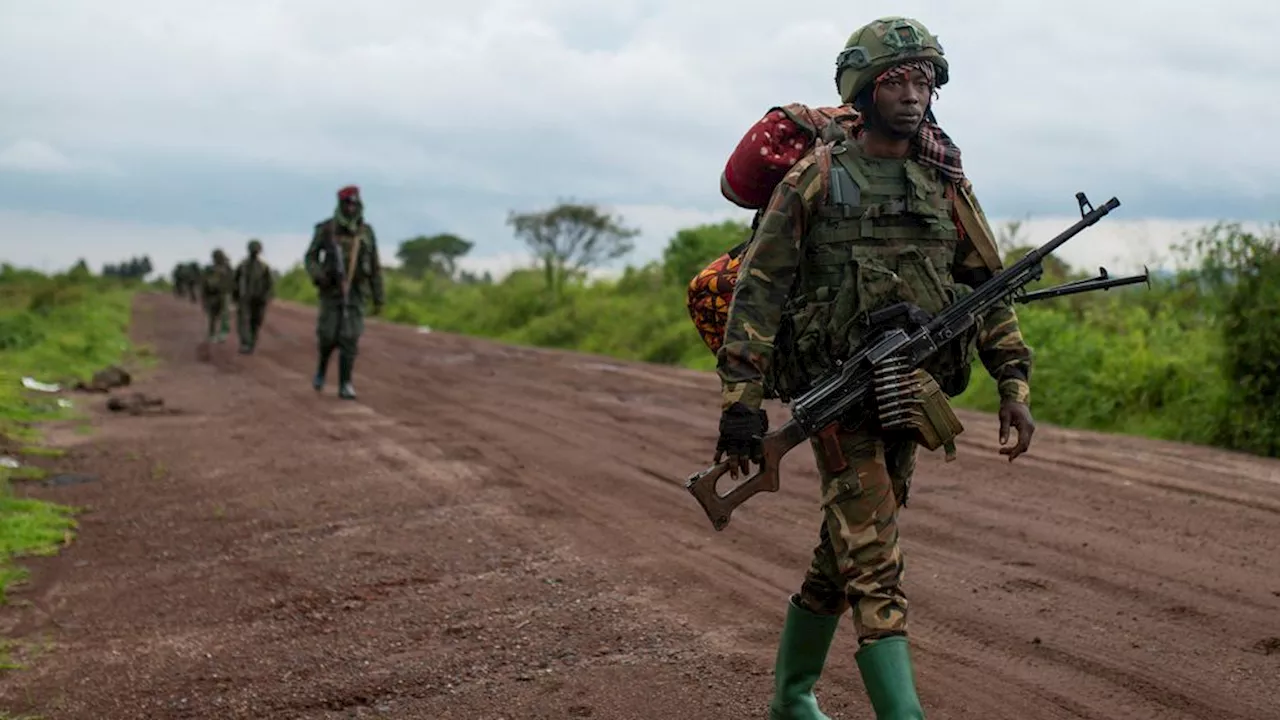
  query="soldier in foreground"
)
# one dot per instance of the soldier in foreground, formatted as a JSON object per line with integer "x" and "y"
{"x": 343, "y": 264}
{"x": 217, "y": 284}
{"x": 253, "y": 288}
{"x": 856, "y": 225}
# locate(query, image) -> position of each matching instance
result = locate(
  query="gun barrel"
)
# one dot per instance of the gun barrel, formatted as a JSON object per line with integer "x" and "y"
{"x": 1082, "y": 286}
{"x": 1009, "y": 281}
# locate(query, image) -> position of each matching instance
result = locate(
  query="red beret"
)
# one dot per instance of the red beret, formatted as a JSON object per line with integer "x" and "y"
{"x": 350, "y": 191}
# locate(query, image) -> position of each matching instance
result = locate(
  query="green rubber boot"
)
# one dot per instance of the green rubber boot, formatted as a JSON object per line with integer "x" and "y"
{"x": 802, "y": 653}
{"x": 346, "y": 364}
{"x": 890, "y": 681}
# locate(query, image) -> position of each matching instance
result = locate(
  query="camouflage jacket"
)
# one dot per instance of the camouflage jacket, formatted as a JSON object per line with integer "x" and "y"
{"x": 217, "y": 281}
{"x": 253, "y": 281}
{"x": 328, "y": 260}
{"x": 811, "y": 268}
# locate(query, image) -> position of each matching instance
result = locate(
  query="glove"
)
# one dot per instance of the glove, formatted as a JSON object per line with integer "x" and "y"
{"x": 741, "y": 431}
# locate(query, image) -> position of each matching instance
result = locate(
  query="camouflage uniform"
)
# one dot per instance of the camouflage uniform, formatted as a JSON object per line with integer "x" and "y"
{"x": 180, "y": 280}
{"x": 341, "y": 282}
{"x": 217, "y": 284}
{"x": 846, "y": 233}
{"x": 193, "y": 281}
{"x": 253, "y": 289}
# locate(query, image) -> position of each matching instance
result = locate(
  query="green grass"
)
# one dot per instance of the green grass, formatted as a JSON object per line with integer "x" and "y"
{"x": 29, "y": 527}
{"x": 55, "y": 330}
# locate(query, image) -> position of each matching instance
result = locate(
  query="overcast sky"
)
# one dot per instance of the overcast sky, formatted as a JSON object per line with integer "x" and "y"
{"x": 169, "y": 127}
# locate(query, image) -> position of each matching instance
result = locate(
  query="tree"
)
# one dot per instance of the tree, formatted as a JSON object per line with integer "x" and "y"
{"x": 437, "y": 254}
{"x": 466, "y": 277}
{"x": 571, "y": 237}
{"x": 692, "y": 248}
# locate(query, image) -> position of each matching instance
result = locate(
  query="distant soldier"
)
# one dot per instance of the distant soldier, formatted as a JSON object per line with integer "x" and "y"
{"x": 192, "y": 270}
{"x": 217, "y": 284}
{"x": 252, "y": 292}
{"x": 343, "y": 262}
{"x": 180, "y": 280}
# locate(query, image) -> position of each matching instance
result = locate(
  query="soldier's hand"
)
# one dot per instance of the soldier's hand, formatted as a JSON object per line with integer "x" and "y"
{"x": 1017, "y": 416}
{"x": 741, "y": 432}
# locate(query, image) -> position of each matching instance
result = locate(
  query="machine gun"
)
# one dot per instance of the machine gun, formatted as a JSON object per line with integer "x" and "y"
{"x": 906, "y": 338}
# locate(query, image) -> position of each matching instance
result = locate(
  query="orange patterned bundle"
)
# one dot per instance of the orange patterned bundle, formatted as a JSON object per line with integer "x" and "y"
{"x": 710, "y": 293}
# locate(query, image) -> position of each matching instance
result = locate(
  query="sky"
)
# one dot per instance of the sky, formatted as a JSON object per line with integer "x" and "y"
{"x": 169, "y": 127}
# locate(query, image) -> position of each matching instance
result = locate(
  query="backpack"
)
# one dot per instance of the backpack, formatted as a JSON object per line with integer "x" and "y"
{"x": 762, "y": 158}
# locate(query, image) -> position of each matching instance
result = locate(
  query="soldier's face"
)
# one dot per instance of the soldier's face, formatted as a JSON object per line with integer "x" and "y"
{"x": 902, "y": 101}
{"x": 350, "y": 207}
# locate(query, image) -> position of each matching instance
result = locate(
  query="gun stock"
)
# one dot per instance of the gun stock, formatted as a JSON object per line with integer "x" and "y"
{"x": 719, "y": 507}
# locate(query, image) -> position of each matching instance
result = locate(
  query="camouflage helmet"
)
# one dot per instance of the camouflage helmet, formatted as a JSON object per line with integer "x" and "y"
{"x": 255, "y": 246}
{"x": 880, "y": 45}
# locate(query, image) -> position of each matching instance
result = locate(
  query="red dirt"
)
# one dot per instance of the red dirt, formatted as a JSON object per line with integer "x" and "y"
{"x": 500, "y": 532}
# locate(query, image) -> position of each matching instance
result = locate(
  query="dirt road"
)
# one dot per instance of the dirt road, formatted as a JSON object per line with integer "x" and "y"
{"x": 497, "y": 532}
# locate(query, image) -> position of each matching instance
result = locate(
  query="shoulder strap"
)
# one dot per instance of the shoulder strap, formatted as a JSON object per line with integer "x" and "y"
{"x": 975, "y": 227}
{"x": 351, "y": 258}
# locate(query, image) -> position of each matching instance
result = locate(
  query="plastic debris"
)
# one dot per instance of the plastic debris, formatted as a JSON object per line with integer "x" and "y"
{"x": 33, "y": 384}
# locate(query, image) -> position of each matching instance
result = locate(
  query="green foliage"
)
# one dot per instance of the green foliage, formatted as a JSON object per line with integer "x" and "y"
{"x": 570, "y": 238}
{"x": 1243, "y": 269}
{"x": 134, "y": 268}
{"x": 1192, "y": 359}
{"x": 54, "y": 329}
{"x": 692, "y": 248}
{"x": 436, "y": 254}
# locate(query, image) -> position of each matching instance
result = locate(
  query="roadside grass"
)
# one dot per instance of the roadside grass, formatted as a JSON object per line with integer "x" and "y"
{"x": 53, "y": 330}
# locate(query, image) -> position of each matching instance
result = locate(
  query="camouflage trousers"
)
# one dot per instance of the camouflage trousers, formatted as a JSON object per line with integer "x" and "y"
{"x": 219, "y": 321}
{"x": 339, "y": 327}
{"x": 249, "y": 317}
{"x": 858, "y": 563}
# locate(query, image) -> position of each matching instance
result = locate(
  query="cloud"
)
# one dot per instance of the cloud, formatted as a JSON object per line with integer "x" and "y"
{"x": 33, "y": 156}
{"x": 248, "y": 115}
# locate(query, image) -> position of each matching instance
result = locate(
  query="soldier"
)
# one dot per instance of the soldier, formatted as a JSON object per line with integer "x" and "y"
{"x": 217, "y": 284}
{"x": 180, "y": 280}
{"x": 343, "y": 262}
{"x": 253, "y": 289}
{"x": 193, "y": 281}
{"x": 857, "y": 224}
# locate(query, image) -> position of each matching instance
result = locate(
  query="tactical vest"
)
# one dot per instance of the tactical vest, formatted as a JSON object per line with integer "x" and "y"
{"x": 362, "y": 268}
{"x": 254, "y": 279}
{"x": 882, "y": 233}
{"x": 219, "y": 280}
